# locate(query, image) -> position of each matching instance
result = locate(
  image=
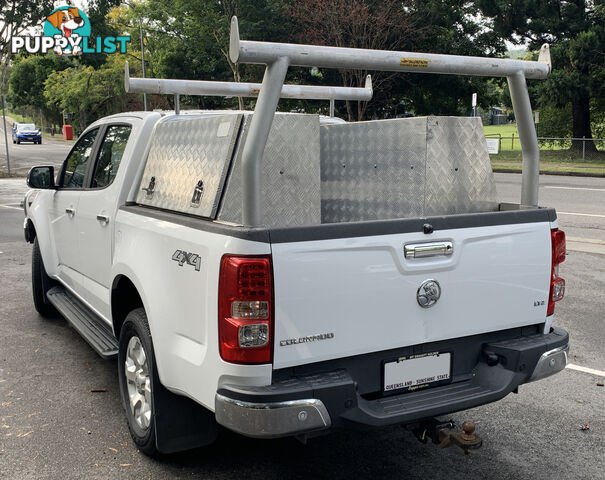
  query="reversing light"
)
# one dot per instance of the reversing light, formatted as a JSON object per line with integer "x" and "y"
{"x": 253, "y": 335}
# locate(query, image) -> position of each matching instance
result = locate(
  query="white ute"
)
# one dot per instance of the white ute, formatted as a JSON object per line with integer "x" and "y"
{"x": 287, "y": 274}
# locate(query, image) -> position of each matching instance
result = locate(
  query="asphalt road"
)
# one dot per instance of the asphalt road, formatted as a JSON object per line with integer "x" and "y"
{"x": 53, "y": 426}
{"x": 24, "y": 156}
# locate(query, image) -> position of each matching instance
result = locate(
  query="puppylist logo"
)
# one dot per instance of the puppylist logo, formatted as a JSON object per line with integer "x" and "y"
{"x": 67, "y": 32}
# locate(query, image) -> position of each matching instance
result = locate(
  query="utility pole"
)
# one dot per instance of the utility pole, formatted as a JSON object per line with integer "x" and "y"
{"x": 126, "y": 2}
{"x": 142, "y": 59}
{"x": 8, "y": 162}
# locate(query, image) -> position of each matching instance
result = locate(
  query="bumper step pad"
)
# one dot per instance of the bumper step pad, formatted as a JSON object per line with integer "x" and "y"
{"x": 85, "y": 322}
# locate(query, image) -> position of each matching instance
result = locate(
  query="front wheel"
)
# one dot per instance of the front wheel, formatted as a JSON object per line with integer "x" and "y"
{"x": 137, "y": 375}
{"x": 41, "y": 283}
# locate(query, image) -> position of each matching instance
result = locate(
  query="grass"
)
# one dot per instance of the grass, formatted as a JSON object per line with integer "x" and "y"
{"x": 553, "y": 161}
{"x": 504, "y": 130}
{"x": 554, "y": 158}
{"x": 20, "y": 118}
{"x": 553, "y": 167}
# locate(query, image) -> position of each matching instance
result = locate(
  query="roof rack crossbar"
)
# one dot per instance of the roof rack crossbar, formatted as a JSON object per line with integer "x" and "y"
{"x": 283, "y": 55}
{"x": 244, "y": 51}
{"x": 238, "y": 89}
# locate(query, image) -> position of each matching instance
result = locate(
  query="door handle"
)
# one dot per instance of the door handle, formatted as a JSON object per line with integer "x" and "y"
{"x": 427, "y": 249}
{"x": 70, "y": 211}
{"x": 103, "y": 218}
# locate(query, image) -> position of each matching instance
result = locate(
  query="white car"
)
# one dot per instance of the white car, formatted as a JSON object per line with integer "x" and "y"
{"x": 380, "y": 283}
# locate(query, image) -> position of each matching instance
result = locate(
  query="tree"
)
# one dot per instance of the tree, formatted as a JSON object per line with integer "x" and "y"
{"x": 435, "y": 26}
{"x": 17, "y": 17}
{"x": 453, "y": 28}
{"x": 27, "y": 78}
{"x": 379, "y": 25}
{"x": 194, "y": 44}
{"x": 88, "y": 92}
{"x": 576, "y": 30}
{"x": 96, "y": 11}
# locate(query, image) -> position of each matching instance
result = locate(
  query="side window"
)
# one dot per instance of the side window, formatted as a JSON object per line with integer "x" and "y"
{"x": 110, "y": 155}
{"x": 76, "y": 163}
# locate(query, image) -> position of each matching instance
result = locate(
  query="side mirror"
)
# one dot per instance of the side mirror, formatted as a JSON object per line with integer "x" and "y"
{"x": 41, "y": 177}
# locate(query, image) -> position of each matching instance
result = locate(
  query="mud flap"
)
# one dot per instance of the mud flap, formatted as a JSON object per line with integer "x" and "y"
{"x": 180, "y": 423}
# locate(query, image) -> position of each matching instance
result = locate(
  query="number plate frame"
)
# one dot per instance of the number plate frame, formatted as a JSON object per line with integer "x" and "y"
{"x": 414, "y": 387}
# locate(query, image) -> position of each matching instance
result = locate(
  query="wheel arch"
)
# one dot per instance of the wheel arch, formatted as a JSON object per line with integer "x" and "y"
{"x": 125, "y": 297}
{"x": 29, "y": 230}
{"x": 38, "y": 225}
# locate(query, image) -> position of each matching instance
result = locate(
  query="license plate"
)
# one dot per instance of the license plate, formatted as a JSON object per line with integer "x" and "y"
{"x": 417, "y": 371}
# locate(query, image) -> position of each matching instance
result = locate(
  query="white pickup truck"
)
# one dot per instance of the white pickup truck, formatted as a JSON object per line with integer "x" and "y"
{"x": 288, "y": 274}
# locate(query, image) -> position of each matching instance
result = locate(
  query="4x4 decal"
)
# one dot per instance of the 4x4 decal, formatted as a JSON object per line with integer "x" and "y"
{"x": 183, "y": 258}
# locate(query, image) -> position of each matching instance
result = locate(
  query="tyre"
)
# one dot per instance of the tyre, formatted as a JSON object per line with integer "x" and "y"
{"x": 18, "y": 142}
{"x": 41, "y": 283}
{"x": 138, "y": 376}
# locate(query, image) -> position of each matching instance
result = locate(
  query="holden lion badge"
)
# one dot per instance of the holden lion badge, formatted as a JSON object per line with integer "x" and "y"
{"x": 428, "y": 293}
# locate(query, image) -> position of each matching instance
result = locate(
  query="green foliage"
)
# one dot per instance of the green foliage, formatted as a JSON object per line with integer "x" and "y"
{"x": 96, "y": 11}
{"x": 554, "y": 122}
{"x": 87, "y": 93}
{"x": 451, "y": 28}
{"x": 190, "y": 39}
{"x": 430, "y": 26}
{"x": 576, "y": 32}
{"x": 598, "y": 121}
{"x": 26, "y": 81}
{"x": 16, "y": 17}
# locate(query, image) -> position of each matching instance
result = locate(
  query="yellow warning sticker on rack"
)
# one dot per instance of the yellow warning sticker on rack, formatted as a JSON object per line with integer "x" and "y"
{"x": 413, "y": 62}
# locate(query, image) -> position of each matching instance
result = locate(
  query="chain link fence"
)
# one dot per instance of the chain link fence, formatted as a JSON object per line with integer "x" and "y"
{"x": 579, "y": 151}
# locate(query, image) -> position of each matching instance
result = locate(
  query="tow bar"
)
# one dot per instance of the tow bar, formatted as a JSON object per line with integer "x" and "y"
{"x": 443, "y": 434}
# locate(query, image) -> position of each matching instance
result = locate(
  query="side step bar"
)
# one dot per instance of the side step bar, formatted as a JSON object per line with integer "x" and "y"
{"x": 86, "y": 323}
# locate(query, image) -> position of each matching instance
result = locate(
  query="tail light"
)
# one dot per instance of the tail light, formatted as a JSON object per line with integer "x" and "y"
{"x": 557, "y": 284}
{"x": 245, "y": 309}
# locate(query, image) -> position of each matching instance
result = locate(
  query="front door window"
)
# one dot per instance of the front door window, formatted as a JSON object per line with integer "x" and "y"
{"x": 76, "y": 164}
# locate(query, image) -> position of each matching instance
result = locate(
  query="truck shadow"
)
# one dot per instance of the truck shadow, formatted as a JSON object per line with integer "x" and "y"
{"x": 388, "y": 453}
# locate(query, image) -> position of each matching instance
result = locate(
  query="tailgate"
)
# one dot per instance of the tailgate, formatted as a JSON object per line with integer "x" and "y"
{"x": 337, "y": 297}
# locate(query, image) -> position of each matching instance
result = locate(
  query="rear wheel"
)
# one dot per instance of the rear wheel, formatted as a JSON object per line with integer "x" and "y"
{"x": 137, "y": 374}
{"x": 41, "y": 283}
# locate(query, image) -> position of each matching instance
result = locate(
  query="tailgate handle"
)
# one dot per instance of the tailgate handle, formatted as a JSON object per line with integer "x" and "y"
{"x": 432, "y": 249}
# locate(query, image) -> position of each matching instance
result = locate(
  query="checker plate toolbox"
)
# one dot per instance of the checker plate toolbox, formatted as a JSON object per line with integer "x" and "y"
{"x": 314, "y": 173}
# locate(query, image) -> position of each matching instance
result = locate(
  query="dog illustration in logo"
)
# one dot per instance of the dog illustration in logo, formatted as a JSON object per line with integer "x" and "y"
{"x": 67, "y": 20}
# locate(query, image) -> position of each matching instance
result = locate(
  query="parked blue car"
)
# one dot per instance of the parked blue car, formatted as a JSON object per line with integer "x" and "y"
{"x": 26, "y": 132}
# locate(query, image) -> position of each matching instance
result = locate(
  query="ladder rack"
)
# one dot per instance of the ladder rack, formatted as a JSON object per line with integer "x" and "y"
{"x": 279, "y": 56}
{"x": 238, "y": 89}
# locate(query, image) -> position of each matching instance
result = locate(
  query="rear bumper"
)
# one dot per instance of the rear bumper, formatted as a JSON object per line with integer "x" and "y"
{"x": 330, "y": 398}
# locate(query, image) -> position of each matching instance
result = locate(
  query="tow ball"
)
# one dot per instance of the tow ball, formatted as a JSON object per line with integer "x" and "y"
{"x": 444, "y": 435}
